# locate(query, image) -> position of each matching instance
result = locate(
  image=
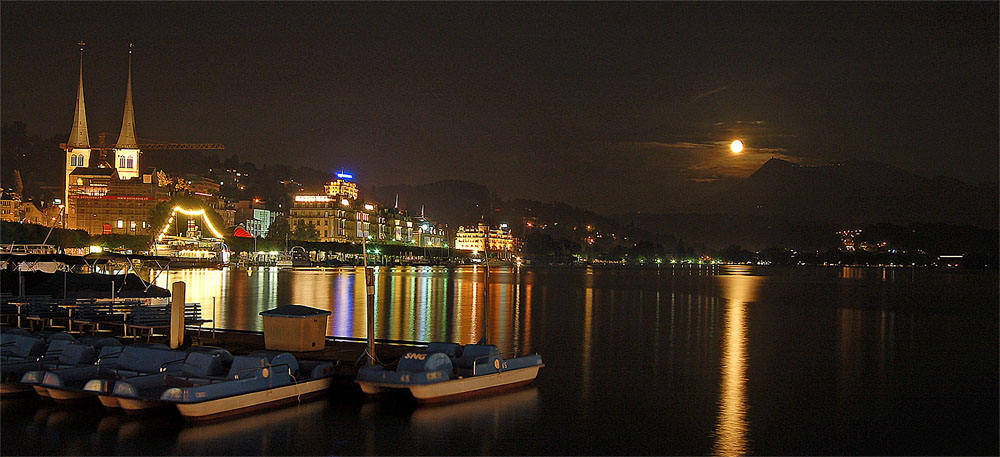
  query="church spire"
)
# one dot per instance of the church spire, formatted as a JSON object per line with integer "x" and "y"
{"x": 78, "y": 136}
{"x": 126, "y": 139}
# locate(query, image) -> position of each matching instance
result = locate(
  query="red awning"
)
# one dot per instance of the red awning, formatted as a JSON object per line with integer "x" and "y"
{"x": 242, "y": 233}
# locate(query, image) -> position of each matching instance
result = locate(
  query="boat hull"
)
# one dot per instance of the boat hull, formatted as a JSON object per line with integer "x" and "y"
{"x": 131, "y": 405}
{"x": 252, "y": 400}
{"x": 461, "y": 387}
{"x": 109, "y": 402}
{"x": 66, "y": 395}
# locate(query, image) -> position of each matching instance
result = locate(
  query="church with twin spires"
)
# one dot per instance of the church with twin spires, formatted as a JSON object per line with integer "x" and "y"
{"x": 108, "y": 197}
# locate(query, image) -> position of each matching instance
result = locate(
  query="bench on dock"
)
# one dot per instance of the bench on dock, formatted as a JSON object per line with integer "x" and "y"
{"x": 153, "y": 318}
{"x": 47, "y": 314}
{"x": 93, "y": 313}
{"x": 12, "y": 307}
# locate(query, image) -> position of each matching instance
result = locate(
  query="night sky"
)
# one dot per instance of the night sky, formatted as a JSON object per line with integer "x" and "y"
{"x": 608, "y": 106}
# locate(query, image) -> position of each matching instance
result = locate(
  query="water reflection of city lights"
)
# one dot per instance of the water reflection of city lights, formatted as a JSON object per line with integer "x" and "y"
{"x": 411, "y": 304}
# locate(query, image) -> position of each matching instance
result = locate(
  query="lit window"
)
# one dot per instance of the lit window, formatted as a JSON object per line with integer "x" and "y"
{"x": 121, "y": 223}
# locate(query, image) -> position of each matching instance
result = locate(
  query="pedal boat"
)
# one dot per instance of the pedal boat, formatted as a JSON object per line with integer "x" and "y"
{"x": 256, "y": 381}
{"x": 447, "y": 371}
{"x": 142, "y": 393}
{"x": 21, "y": 353}
{"x": 98, "y": 380}
{"x": 61, "y": 354}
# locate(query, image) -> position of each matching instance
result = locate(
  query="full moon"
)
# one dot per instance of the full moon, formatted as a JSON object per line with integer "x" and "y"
{"x": 737, "y": 146}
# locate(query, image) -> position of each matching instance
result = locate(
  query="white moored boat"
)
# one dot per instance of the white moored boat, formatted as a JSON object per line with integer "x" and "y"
{"x": 447, "y": 371}
{"x": 261, "y": 379}
{"x": 253, "y": 400}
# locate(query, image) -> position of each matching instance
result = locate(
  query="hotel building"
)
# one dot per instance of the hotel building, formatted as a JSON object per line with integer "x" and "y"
{"x": 474, "y": 239}
{"x": 340, "y": 216}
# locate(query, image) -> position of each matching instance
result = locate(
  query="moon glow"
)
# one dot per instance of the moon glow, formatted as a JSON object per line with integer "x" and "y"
{"x": 736, "y": 147}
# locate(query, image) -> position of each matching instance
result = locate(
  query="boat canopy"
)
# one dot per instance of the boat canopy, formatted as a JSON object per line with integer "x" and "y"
{"x": 36, "y": 258}
{"x": 81, "y": 285}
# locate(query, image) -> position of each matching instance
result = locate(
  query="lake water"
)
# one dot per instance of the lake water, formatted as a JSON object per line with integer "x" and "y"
{"x": 722, "y": 360}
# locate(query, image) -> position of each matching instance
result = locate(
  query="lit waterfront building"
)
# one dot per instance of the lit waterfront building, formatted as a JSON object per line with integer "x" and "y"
{"x": 323, "y": 212}
{"x": 341, "y": 218}
{"x": 474, "y": 239}
{"x": 100, "y": 203}
{"x": 48, "y": 216}
{"x": 342, "y": 187}
{"x": 350, "y": 221}
{"x": 10, "y": 206}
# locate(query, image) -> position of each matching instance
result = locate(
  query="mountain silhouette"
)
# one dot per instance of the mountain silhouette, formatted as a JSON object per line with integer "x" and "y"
{"x": 854, "y": 191}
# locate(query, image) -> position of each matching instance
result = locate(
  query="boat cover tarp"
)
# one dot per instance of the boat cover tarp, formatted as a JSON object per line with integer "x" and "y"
{"x": 80, "y": 285}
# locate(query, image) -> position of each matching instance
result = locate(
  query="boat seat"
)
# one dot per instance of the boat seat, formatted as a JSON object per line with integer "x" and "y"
{"x": 245, "y": 363}
{"x": 13, "y": 368}
{"x": 202, "y": 364}
{"x": 20, "y": 347}
{"x": 108, "y": 355}
{"x": 145, "y": 360}
{"x": 452, "y": 350}
{"x": 424, "y": 361}
{"x": 76, "y": 354}
{"x": 477, "y": 359}
{"x": 224, "y": 356}
{"x": 55, "y": 349}
{"x": 286, "y": 359}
